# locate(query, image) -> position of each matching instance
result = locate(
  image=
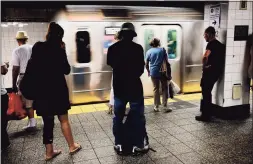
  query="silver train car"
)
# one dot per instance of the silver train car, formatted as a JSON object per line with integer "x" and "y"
{"x": 89, "y": 31}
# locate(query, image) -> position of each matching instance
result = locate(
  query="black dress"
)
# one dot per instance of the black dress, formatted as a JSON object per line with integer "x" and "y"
{"x": 51, "y": 66}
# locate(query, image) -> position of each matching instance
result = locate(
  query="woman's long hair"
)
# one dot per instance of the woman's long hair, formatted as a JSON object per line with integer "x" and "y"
{"x": 54, "y": 34}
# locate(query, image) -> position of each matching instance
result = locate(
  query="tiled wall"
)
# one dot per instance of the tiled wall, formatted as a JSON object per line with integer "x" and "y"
{"x": 35, "y": 31}
{"x": 235, "y": 52}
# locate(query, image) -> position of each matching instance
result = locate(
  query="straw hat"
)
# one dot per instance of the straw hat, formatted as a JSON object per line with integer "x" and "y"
{"x": 21, "y": 35}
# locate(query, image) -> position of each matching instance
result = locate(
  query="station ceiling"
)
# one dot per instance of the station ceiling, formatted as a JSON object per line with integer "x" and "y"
{"x": 43, "y": 11}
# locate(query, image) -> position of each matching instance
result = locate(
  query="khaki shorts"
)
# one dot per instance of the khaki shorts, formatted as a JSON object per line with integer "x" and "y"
{"x": 27, "y": 103}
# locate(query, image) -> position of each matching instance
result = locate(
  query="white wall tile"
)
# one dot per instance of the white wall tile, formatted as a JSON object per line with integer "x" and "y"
{"x": 242, "y": 50}
{"x": 238, "y": 15}
{"x": 230, "y": 41}
{"x": 245, "y": 14}
{"x": 229, "y": 68}
{"x": 238, "y": 22}
{"x": 231, "y": 102}
{"x": 231, "y": 24}
{"x": 229, "y": 60}
{"x": 237, "y": 50}
{"x": 236, "y": 77}
{"x": 245, "y": 22}
{"x": 231, "y": 5}
{"x": 235, "y": 59}
{"x": 229, "y": 50}
{"x": 228, "y": 85}
{"x": 243, "y": 43}
{"x": 230, "y": 33}
{"x": 228, "y": 94}
{"x": 237, "y": 44}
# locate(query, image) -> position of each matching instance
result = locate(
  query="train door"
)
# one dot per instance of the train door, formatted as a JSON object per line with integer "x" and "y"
{"x": 170, "y": 37}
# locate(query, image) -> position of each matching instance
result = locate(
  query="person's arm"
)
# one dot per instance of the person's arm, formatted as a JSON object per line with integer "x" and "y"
{"x": 15, "y": 71}
{"x": 140, "y": 62}
{"x": 147, "y": 63}
{"x": 109, "y": 57}
{"x": 206, "y": 54}
{"x": 66, "y": 64}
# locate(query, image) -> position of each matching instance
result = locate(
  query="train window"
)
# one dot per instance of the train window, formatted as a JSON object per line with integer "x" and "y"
{"x": 83, "y": 47}
{"x": 172, "y": 44}
{"x": 148, "y": 35}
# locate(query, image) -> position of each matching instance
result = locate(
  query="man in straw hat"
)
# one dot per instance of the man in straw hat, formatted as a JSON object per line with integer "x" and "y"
{"x": 20, "y": 57}
{"x": 127, "y": 60}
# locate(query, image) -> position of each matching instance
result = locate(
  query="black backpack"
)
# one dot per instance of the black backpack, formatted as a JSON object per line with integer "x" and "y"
{"x": 128, "y": 137}
{"x": 28, "y": 83}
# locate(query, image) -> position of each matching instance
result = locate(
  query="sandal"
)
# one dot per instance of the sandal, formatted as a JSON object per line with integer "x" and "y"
{"x": 75, "y": 150}
{"x": 56, "y": 153}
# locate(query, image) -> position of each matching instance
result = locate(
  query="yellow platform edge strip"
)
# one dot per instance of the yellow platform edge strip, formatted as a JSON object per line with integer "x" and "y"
{"x": 103, "y": 106}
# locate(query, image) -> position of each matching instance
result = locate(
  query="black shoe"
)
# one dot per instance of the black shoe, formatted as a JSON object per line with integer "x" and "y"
{"x": 203, "y": 118}
{"x": 118, "y": 149}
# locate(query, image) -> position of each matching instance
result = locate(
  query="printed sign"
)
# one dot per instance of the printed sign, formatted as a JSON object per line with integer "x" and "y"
{"x": 215, "y": 16}
{"x": 111, "y": 30}
{"x": 214, "y": 13}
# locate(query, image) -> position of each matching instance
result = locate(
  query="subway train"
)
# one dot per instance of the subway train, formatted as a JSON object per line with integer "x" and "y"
{"x": 89, "y": 31}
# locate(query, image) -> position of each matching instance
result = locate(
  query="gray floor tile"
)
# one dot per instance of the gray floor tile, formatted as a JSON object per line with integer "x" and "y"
{"x": 161, "y": 152}
{"x": 175, "y": 130}
{"x": 183, "y": 122}
{"x": 97, "y": 135}
{"x": 184, "y": 137}
{"x": 192, "y": 158}
{"x": 158, "y": 133}
{"x": 179, "y": 148}
{"x": 104, "y": 151}
{"x": 197, "y": 145}
{"x": 144, "y": 159}
{"x": 84, "y": 155}
{"x": 80, "y": 137}
{"x": 92, "y": 161}
{"x": 101, "y": 143}
{"x": 168, "y": 160}
{"x": 192, "y": 127}
{"x": 168, "y": 140}
{"x": 115, "y": 159}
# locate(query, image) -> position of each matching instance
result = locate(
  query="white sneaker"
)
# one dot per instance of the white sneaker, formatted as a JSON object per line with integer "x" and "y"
{"x": 29, "y": 126}
{"x": 136, "y": 150}
{"x": 156, "y": 109}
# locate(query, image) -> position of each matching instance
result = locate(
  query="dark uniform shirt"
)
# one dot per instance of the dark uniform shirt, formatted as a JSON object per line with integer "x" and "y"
{"x": 215, "y": 60}
{"x": 127, "y": 60}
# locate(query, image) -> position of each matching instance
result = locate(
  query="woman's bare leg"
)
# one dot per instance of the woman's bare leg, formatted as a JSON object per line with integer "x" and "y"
{"x": 66, "y": 130}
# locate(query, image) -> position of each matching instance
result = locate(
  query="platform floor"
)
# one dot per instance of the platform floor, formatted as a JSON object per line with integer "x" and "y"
{"x": 176, "y": 137}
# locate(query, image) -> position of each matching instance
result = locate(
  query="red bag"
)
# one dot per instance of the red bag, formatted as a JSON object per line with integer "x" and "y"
{"x": 16, "y": 110}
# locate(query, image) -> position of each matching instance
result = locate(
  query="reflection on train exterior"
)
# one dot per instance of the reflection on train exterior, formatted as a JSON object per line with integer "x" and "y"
{"x": 87, "y": 42}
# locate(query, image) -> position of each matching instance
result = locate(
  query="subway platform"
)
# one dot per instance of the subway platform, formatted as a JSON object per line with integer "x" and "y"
{"x": 176, "y": 137}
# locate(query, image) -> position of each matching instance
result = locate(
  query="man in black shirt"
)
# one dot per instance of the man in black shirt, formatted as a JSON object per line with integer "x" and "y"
{"x": 127, "y": 61}
{"x": 213, "y": 67}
